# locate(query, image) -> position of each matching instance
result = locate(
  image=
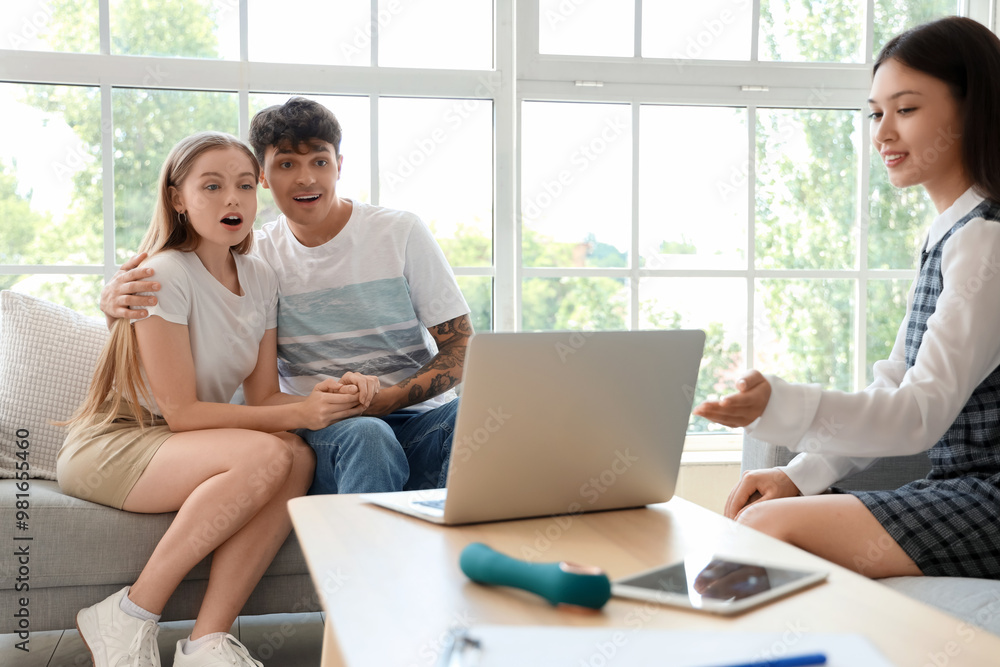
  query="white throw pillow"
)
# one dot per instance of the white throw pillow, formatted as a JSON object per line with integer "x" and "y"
{"x": 47, "y": 357}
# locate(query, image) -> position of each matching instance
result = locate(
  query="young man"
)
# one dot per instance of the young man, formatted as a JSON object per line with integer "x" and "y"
{"x": 361, "y": 288}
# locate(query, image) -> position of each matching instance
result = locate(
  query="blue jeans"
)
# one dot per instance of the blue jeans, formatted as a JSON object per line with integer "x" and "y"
{"x": 400, "y": 451}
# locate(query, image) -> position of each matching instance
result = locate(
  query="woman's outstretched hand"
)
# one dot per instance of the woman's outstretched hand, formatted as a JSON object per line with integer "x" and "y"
{"x": 741, "y": 408}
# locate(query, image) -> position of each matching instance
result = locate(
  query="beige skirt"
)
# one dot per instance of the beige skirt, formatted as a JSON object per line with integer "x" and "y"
{"x": 101, "y": 463}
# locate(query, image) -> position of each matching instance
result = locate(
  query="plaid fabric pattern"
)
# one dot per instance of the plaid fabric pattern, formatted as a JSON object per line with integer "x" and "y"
{"x": 949, "y": 523}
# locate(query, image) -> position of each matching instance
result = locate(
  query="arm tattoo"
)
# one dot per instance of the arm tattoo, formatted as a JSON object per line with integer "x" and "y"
{"x": 460, "y": 327}
{"x": 416, "y": 393}
{"x": 445, "y": 368}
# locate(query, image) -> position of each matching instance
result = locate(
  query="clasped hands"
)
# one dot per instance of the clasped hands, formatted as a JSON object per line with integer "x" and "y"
{"x": 334, "y": 400}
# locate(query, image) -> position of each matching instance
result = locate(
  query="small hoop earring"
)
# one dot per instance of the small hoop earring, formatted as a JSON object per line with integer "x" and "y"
{"x": 182, "y": 217}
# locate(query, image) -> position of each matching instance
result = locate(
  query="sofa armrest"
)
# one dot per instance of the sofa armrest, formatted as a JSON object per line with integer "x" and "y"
{"x": 758, "y": 454}
{"x": 886, "y": 473}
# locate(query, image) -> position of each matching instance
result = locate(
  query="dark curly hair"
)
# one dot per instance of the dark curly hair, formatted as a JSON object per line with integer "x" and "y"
{"x": 964, "y": 54}
{"x": 297, "y": 121}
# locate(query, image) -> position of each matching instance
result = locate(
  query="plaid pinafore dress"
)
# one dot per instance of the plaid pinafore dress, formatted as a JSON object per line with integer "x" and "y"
{"x": 949, "y": 522}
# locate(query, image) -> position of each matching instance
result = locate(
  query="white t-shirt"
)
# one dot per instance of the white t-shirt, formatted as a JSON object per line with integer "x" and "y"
{"x": 904, "y": 411}
{"x": 225, "y": 329}
{"x": 362, "y": 301}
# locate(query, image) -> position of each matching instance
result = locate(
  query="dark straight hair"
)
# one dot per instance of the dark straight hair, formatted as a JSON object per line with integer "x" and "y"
{"x": 965, "y": 54}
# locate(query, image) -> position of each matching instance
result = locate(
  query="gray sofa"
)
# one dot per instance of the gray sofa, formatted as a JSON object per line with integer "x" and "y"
{"x": 60, "y": 553}
{"x": 82, "y": 552}
{"x": 975, "y": 601}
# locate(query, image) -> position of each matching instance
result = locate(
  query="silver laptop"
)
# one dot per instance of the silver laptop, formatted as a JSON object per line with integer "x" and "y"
{"x": 562, "y": 423}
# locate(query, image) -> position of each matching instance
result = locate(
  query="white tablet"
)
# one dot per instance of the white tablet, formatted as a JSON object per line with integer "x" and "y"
{"x": 716, "y": 584}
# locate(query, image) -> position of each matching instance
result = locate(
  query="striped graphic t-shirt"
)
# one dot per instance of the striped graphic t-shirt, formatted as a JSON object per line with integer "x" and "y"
{"x": 360, "y": 302}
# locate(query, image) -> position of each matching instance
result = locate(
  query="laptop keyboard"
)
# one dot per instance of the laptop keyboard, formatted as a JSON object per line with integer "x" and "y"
{"x": 436, "y": 504}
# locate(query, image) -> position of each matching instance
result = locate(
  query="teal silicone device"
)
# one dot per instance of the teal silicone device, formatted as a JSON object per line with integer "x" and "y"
{"x": 559, "y": 583}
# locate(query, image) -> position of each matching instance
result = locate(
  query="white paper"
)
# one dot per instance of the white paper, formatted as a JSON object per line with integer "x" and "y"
{"x": 524, "y": 646}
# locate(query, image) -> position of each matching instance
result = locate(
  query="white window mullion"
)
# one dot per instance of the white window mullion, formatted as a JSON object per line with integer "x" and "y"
{"x": 373, "y": 105}
{"x": 983, "y": 11}
{"x": 518, "y": 217}
{"x": 635, "y": 254}
{"x": 649, "y": 74}
{"x": 525, "y": 56}
{"x": 53, "y": 269}
{"x": 751, "y": 218}
{"x": 637, "y": 39}
{"x": 869, "y": 31}
{"x": 108, "y": 179}
{"x": 863, "y": 220}
{"x": 244, "y": 110}
{"x": 755, "y": 32}
{"x": 107, "y": 147}
{"x": 687, "y": 273}
{"x": 575, "y": 272}
{"x": 244, "y": 90}
{"x": 635, "y": 258}
{"x": 373, "y": 108}
{"x": 104, "y": 25}
{"x": 374, "y": 33}
{"x": 526, "y": 35}
{"x": 506, "y": 229}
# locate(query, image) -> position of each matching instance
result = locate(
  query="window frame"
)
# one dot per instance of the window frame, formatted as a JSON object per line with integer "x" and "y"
{"x": 107, "y": 71}
{"x": 753, "y": 84}
{"x": 520, "y": 74}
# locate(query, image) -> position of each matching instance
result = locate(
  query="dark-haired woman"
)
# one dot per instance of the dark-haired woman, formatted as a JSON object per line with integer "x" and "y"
{"x": 935, "y": 100}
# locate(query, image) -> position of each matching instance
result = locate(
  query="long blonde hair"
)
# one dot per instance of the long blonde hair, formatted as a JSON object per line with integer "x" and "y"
{"x": 118, "y": 375}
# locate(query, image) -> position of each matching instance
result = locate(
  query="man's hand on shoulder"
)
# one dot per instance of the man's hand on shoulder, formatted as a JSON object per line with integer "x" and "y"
{"x": 121, "y": 293}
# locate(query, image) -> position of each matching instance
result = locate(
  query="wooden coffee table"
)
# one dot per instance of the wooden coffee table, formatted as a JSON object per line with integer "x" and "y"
{"x": 391, "y": 584}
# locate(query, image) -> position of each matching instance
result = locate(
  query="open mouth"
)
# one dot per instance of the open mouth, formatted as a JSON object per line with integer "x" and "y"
{"x": 305, "y": 199}
{"x": 232, "y": 220}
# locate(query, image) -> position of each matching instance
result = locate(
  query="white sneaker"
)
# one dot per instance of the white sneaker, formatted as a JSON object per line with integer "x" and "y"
{"x": 116, "y": 639}
{"x": 227, "y": 650}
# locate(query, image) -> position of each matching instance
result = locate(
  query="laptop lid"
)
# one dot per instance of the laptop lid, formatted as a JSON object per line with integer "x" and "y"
{"x": 570, "y": 422}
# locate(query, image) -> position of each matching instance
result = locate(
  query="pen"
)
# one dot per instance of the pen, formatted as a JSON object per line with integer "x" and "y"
{"x": 792, "y": 661}
{"x": 455, "y": 645}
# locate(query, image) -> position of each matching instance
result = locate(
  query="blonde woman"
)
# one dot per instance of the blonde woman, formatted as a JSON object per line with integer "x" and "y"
{"x": 158, "y": 426}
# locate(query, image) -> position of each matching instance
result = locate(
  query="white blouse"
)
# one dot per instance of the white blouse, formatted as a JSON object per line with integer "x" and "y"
{"x": 903, "y": 411}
